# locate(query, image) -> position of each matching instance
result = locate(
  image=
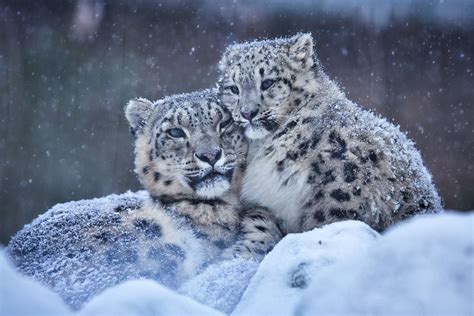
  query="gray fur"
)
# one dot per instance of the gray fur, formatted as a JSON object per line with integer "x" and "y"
{"x": 315, "y": 156}
{"x": 169, "y": 234}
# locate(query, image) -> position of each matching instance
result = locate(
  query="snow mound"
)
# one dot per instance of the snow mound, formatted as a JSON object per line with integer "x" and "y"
{"x": 20, "y": 296}
{"x": 143, "y": 298}
{"x": 222, "y": 284}
{"x": 300, "y": 260}
{"x": 423, "y": 267}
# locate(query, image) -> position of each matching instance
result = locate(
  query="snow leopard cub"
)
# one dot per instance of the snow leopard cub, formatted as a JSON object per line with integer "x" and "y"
{"x": 189, "y": 156}
{"x": 316, "y": 157}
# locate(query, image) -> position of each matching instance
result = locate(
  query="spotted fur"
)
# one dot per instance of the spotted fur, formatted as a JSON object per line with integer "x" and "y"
{"x": 170, "y": 170}
{"x": 189, "y": 156}
{"x": 315, "y": 156}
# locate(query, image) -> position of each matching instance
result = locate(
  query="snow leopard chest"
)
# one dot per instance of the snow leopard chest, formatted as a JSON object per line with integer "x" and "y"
{"x": 279, "y": 188}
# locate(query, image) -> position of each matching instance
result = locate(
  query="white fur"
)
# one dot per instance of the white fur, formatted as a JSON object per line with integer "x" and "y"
{"x": 253, "y": 132}
{"x": 262, "y": 185}
{"x": 216, "y": 189}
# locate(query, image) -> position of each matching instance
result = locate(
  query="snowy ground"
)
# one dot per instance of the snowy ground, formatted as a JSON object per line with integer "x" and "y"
{"x": 422, "y": 267}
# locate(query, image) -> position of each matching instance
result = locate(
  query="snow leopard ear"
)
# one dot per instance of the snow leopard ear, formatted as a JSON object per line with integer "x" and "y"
{"x": 231, "y": 52}
{"x": 300, "y": 51}
{"x": 137, "y": 111}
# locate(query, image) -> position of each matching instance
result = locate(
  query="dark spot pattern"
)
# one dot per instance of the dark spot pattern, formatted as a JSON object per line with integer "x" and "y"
{"x": 299, "y": 277}
{"x": 373, "y": 156}
{"x": 319, "y": 195}
{"x": 289, "y": 126}
{"x": 319, "y": 216}
{"x": 149, "y": 228}
{"x": 339, "y": 145}
{"x": 280, "y": 165}
{"x": 315, "y": 168}
{"x": 121, "y": 256}
{"x": 221, "y": 244}
{"x": 269, "y": 150}
{"x": 292, "y": 155}
{"x": 350, "y": 170}
{"x": 156, "y": 176}
{"x": 328, "y": 177}
{"x": 340, "y": 196}
{"x": 168, "y": 256}
{"x": 340, "y": 213}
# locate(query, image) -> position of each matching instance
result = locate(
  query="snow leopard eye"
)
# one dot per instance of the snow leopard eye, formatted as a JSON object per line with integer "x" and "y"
{"x": 233, "y": 89}
{"x": 266, "y": 84}
{"x": 176, "y": 133}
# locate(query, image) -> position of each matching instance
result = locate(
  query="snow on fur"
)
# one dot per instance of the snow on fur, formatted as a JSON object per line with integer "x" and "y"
{"x": 422, "y": 266}
{"x": 53, "y": 244}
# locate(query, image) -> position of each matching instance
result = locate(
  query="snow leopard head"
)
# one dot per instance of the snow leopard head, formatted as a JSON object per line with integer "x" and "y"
{"x": 259, "y": 81}
{"x": 187, "y": 146}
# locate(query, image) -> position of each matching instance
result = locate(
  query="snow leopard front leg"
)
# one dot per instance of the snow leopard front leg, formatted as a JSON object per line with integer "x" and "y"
{"x": 258, "y": 234}
{"x": 214, "y": 220}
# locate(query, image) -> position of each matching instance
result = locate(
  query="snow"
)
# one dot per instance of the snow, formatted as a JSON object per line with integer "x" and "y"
{"x": 143, "y": 297}
{"x": 299, "y": 260}
{"x": 421, "y": 266}
{"x": 222, "y": 284}
{"x": 21, "y": 296}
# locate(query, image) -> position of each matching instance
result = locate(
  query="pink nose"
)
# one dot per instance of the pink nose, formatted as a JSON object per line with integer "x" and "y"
{"x": 249, "y": 115}
{"x": 210, "y": 157}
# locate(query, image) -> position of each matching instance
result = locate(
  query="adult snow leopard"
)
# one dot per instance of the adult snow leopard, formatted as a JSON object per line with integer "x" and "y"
{"x": 315, "y": 156}
{"x": 189, "y": 156}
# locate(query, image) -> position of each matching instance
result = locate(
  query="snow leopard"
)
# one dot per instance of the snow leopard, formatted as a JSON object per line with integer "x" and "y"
{"x": 316, "y": 157}
{"x": 189, "y": 157}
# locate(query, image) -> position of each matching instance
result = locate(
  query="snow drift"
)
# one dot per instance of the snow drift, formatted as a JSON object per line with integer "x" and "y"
{"x": 422, "y": 266}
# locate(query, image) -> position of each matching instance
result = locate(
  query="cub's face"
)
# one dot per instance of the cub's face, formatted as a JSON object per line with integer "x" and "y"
{"x": 257, "y": 81}
{"x": 187, "y": 146}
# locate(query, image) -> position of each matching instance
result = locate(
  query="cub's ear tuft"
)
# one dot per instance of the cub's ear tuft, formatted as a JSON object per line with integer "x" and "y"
{"x": 301, "y": 51}
{"x": 137, "y": 111}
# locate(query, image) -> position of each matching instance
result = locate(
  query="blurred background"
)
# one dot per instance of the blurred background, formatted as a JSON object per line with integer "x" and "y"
{"x": 67, "y": 68}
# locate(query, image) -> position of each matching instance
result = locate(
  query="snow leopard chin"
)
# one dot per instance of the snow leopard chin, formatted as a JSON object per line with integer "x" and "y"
{"x": 213, "y": 188}
{"x": 253, "y": 131}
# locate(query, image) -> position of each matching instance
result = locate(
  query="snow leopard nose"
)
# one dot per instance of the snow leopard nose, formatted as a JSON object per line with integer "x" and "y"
{"x": 210, "y": 157}
{"x": 249, "y": 114}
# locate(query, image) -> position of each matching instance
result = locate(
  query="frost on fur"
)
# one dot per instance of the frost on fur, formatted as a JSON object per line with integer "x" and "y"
{"x": 317, "y": 157}
{"x": 136, "y": 112}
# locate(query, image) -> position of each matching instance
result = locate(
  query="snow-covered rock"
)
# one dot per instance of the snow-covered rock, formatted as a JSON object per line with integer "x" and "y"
{"x": 222, "y": 284}
{"x": 422, "y": 267}
{"x": 21, "y": 296}
{"x": 299, "y": 261}
{"x": 143, "y": 298}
